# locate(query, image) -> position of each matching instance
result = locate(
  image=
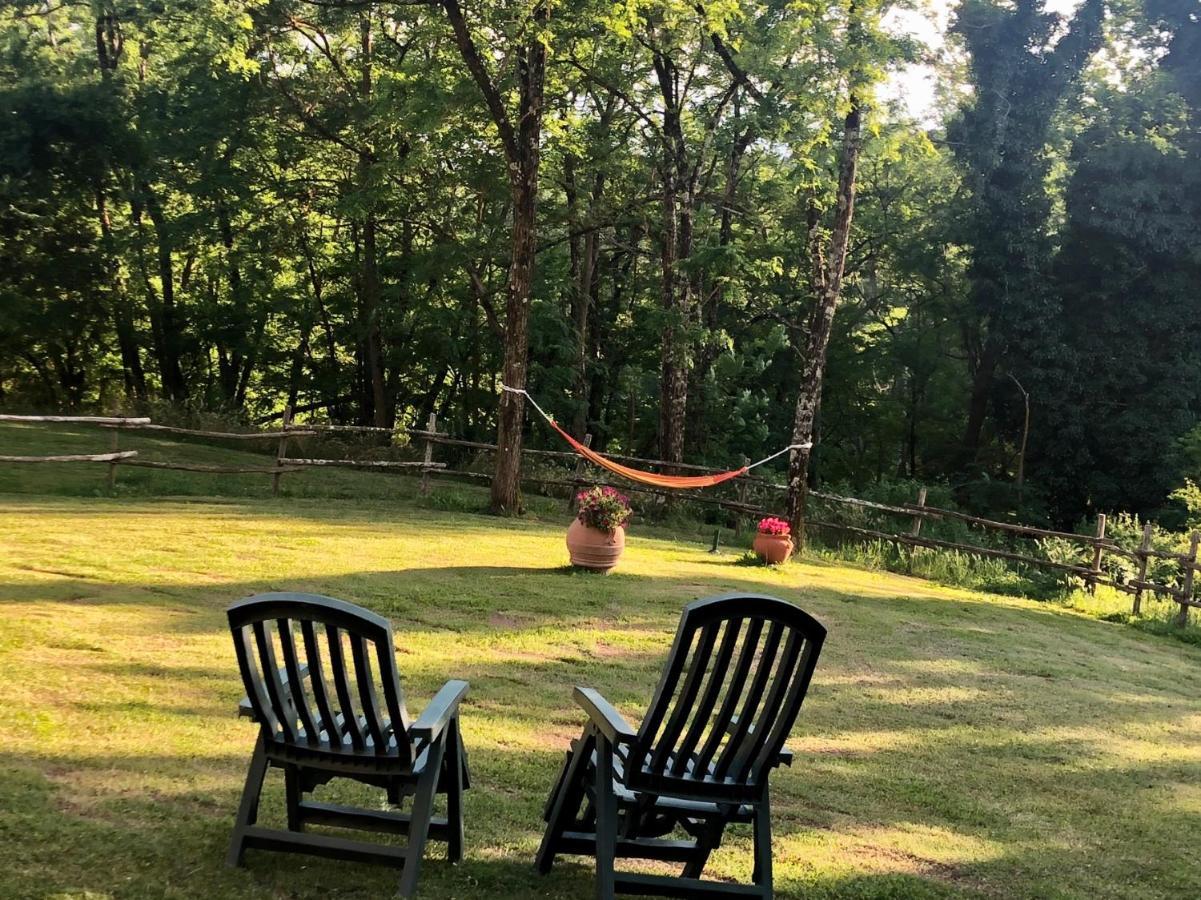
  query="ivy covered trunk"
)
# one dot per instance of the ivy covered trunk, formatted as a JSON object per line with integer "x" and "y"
{"x": 828, "y": 265}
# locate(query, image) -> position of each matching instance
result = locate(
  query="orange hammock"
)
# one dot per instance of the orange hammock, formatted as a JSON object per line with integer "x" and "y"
{"x": 675, "y": 482}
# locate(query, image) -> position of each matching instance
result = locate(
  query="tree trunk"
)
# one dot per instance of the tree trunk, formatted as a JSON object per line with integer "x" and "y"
{"x": 506, "y": 482}
{"x": 370, "y": 299}
{"x": 676, "y": 287}
{"x": 982, "y": 382}
{"x": 127, "y": 340}
{"x": 710, "y": 304}
{"x": 171, "y": 350}
{"x": 369, "y": 279}
{"x": 828, "y": 269}
{"x": 522, "y": 148}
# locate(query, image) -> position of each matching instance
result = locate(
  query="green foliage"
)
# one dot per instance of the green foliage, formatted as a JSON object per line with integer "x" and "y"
{"x": 231, "y": 206}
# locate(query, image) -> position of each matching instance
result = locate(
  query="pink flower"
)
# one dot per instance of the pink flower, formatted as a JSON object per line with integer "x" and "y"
{"x": 774, "y": 526}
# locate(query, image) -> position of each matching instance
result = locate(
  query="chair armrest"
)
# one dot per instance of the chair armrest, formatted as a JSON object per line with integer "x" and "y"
{"x": 607, "y": 719}
{"x": 784, "y": 757}
{"x": 246, "y": 710}
{"x": 438, "y": 713}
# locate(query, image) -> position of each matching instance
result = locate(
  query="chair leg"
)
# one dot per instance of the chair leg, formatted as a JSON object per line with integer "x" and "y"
{"x": 454, "y": 766}
{"x": 564, "y": 801}
{"x": 606, "y": 821}
{"x": 708, "y": 838}
{"x": 248, "y": 809}
{"x": 419, "y": 821}
{"x": 293, "y": 791}
{"x": 696, "y": 866}
{"x": 763, "y": 873}
{"x": 564, "y": 770}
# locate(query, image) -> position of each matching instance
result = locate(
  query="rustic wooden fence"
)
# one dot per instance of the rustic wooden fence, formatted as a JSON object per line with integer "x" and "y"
{"x": 741, "y": 505}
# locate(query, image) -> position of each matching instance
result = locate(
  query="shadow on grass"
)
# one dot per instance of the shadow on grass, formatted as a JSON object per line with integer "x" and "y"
{"x": 984, "y": 725}
{"x": 138, "y": 826}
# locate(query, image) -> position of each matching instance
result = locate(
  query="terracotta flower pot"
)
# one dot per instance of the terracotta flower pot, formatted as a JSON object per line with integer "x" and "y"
{"x": 773, "y": 549}
{"x": 591, "y": 548}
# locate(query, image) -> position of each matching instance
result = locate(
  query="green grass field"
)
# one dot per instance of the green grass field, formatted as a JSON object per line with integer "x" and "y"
{"x": 954, "y": 744}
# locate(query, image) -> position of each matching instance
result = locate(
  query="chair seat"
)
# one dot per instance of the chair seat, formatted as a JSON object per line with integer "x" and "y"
{"x": 668, "y": 802}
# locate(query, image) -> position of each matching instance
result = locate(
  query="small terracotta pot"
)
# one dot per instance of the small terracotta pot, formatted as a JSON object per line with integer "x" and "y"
{"x": 773, "y": 549}
{"x": 591, "y": 548}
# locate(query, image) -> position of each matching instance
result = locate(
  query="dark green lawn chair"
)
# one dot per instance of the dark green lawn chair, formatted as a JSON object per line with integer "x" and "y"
{"x": 321, "y": 681}
{"x": 730, "y": 692}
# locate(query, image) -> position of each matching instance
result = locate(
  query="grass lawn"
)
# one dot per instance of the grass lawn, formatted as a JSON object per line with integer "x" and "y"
{"x": 954, "y": 744}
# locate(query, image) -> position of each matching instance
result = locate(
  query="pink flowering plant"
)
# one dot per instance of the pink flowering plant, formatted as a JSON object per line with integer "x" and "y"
{"x": 603, "y": 508}
{"x": 773, "y": 526}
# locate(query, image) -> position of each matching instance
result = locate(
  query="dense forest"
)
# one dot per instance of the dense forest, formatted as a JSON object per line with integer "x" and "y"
{"x": 695, "y": 230}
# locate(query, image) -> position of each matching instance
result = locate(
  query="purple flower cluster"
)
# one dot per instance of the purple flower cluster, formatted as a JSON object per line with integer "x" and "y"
{"x": 604, "y": 508}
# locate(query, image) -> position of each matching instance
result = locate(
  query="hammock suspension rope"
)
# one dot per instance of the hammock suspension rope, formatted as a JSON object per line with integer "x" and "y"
{"x": 677, "y": 482}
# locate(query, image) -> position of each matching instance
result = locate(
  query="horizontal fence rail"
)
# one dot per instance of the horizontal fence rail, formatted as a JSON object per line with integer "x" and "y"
{"x": 1096, "y": 545}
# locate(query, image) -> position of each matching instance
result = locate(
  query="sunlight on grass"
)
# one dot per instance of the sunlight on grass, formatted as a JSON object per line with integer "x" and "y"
{"x": 955, "y": 744}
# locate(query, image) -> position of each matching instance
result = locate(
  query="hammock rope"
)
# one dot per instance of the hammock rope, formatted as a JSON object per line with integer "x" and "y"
{"x": 673, "y": 482}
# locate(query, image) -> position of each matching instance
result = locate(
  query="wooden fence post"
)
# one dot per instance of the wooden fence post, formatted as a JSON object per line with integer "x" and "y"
{"x": 741, "y": 489}
{"x": 1143, "y": 557}
{"x": 1098, "y": 552}
{"x": 281, "y": 452}
{"x": 431, "y": 426}
{"x": 1186, "y": 589}
{"x": 578, "y": 475}
{"x": 112, "y": 466}
{"x": 917, "y": 528}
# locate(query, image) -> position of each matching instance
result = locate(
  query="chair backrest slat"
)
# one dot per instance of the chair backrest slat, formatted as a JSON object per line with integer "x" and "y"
{"x": 764, "y": 719}
{"x": 300, "y": 700}
{"x": 256, "y": 688}
{"x": 312, "y": 650}
{"x": 667, "y": 682}
{"x": 701, "y": 654}
{"x": 738, "y": 677}
{"x": 703, "y": 716}
{"x": 748, "y": 657}
{"x": 369, "y": 701}
{"x": 398, "y": 716}
{"x": 788, "y": 712}
{"x": 275, "y": 685}
{"x": 746, "y": 713}
{"x": 337, "y": 665}
{"x": 363, "y": 713}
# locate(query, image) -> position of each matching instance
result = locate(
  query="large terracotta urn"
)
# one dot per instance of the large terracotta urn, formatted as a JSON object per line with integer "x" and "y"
{"x": 591, "y": 548}
{"x": 773, "y": 549}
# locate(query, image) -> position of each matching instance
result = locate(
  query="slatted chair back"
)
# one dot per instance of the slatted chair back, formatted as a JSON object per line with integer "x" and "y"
{"x": 733, "y": 684}
{"x": 321, "y": 676}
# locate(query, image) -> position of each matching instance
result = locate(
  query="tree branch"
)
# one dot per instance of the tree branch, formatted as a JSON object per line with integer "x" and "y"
{"x": 479, "y": 72}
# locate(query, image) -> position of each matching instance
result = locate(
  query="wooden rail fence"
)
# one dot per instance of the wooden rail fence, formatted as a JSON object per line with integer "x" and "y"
{"x": 1096, "y": 545}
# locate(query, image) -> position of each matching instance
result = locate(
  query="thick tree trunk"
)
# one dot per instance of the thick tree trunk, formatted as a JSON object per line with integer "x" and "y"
{"x": 506, "y": 481}
{"x": 522, "y": 148}
{"x": 828, "y": 269}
